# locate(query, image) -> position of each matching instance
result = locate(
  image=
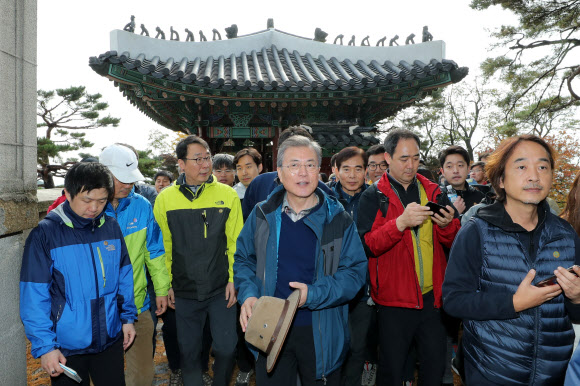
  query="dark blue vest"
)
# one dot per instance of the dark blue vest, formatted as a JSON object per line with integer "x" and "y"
{"x": 533, "y": 349}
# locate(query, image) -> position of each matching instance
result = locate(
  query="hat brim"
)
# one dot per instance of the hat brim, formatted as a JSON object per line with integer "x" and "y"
{"x": 126, "y": 176}
{"x": 294, "y": 299}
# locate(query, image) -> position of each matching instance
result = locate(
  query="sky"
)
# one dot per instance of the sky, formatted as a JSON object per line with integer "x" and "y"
{"x": 69, "y": 32}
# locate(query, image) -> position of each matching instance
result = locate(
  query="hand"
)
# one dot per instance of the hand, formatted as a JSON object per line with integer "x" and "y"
{"x": 50, "y": 362}
{"x": 529, "y": 296}
{"x": 231, "y": 294}
{"x": 569, "y": 283}
{"x": 413, "y": 215}
{"x": 171, "y": 298}
{"x": 303, "y": 291}
{"x": 161, "y": 302}
{"x": 459, "y": 204}
{"x": 246, "y": 311}
{"x": 128, "y": 335}
{"x": 444, "y": 220}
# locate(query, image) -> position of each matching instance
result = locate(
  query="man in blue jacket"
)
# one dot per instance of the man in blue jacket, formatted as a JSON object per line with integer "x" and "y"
{"x": 515, "y": 331}
{"x": 301, "y": 238}
{"x": 144, "y": 242}
{"x": 76, "y": 284}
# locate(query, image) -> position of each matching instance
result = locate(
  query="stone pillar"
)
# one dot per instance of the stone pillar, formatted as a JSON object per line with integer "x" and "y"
{"x": 18, "y": 211}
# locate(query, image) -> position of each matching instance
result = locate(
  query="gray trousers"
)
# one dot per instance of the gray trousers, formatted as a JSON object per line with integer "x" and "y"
{"x": 360, "y": 318}
{"x": 191, "y": 316}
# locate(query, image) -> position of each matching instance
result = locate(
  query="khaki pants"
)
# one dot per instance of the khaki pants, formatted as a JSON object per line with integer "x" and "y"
{"x": 140, "y": 369}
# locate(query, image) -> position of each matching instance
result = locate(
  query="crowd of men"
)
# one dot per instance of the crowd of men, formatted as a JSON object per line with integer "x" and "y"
{"x": 389, "y": 261}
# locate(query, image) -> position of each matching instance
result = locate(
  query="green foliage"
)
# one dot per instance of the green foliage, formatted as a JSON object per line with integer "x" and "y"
{"x": 543, "y": 56}
{"x": 61, "y": 113}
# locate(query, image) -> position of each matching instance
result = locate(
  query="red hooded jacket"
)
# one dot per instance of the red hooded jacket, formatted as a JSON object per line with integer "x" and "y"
{"x": 392, "y": 272}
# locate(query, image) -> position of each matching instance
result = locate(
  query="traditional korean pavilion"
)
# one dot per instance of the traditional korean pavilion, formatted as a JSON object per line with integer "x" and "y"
{"x": 244, "y": 90}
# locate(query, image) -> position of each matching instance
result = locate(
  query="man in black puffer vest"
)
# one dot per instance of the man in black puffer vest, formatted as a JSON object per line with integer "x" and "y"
{"x": 516, "y": 332}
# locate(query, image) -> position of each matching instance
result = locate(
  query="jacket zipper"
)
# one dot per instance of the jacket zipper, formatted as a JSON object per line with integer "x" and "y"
{"x": 97, "y": 299}
{"x": 205, "y": 224}
{"x": 102, "y": 267}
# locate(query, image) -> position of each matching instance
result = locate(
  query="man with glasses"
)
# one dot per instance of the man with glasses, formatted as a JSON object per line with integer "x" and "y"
{"x": 223, "y": 168}
{"x": 301, "y": 238}
{"x": 200, "y": 220}
{"x": 377, "y": 165}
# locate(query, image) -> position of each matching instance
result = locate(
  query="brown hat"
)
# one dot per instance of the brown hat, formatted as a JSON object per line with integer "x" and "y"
{"x": 270, "y": 321}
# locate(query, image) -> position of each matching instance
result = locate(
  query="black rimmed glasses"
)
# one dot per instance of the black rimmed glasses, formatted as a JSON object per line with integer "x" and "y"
{"x": 200, "y": 160}
{"x": 382, "y": 166}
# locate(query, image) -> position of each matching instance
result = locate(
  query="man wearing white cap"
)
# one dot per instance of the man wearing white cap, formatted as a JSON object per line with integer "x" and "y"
{"x": 145, "y": 245}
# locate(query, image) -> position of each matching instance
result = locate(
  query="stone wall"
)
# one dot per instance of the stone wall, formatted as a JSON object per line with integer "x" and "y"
{"x": 18, "y": 207}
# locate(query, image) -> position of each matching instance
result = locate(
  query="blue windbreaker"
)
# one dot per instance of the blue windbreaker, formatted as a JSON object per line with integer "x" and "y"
{"x": 76, "y": 284}
{"x": 341, "y": 266}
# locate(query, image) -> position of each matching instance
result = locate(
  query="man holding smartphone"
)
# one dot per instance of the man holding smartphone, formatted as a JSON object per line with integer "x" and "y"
{"x": 515, "y": 332}
{"x": 404, "y": 242}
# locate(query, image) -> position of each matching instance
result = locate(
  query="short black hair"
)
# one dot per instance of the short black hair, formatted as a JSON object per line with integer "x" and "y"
{"x": 375, "y": 149}
{"x": 348, "y": 153}
{"x": 333, "y": 160}
{"x": 324, "y": 177}
{"x": 481, "y": 164}
{"x": 163, "y": 173}
{"x": 294, "y": 130}
{"x": 394, "y": 136}
{"x": 86, "y": 176}
{"x": 181, "y": 148}
{"x": 454, "y": 149}
{"x": 222, "y": 159}
{"x": 253, "y": 153}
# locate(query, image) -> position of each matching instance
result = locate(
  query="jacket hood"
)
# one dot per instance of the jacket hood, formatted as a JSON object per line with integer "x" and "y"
{"x": 496, "y": 215}
{"x": 65, "y": 215}
{"x": 330, "y": 204}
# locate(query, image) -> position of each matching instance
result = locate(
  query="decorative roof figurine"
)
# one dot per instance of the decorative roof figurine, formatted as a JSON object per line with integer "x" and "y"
{"x": 410, "y": 39}
{"x": 270, "y": 23}
{"x": 365, "y": 41}
{"x": 427, "y": 37}
{"x": 339, "y": 37}
{"x": 144, "y": 30}
{"x": 202, "y": 37}
{"x": 130, "y": 27}
{"x": 351, "y": 41}
{"x": 320, "y": 35}
{"x": 190, "y": 37}
{"x": 381, "y": 41}
{"x": 393, "y": 41}
{"x": 232, "y": 31}
{"x": 216, "y": 32}
{"x": 174, "y": 32}
{"x": 160, "y": 33}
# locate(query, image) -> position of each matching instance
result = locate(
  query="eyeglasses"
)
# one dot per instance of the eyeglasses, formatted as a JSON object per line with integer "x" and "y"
{"x": 225, "y": 171}
{"x": 295, "y": 167}
{"x": 200, "y": 160}
{"x": 382, "y": 166}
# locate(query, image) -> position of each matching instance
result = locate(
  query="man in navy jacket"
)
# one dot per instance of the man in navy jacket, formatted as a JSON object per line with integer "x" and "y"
{"x": 301, "y": 238}
{"x": 515, "y": 331}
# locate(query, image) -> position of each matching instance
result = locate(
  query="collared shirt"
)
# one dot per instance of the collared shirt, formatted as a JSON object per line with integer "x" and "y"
{"x": 292, "y": 214}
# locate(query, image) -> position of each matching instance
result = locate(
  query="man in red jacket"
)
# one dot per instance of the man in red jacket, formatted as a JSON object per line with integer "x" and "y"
{"x": 404, "y": 241}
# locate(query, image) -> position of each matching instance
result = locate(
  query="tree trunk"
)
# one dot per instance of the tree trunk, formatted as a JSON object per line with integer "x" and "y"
{"x": 47, "y": 178}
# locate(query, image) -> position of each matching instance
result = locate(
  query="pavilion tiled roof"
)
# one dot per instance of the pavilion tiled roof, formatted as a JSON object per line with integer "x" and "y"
{"x": 276, "y": 69}
{"x": 273, "y": 60}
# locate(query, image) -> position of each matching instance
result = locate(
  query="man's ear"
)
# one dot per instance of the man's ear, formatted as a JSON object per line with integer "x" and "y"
{"x": 67, "y": 195}
{"x": 259, "y": 168}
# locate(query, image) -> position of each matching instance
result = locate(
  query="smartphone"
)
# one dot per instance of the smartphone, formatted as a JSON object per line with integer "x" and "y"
{"x": 71, "y": 373}
{"x": 436, "y": 208}
{"x": 552, "y": 279}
